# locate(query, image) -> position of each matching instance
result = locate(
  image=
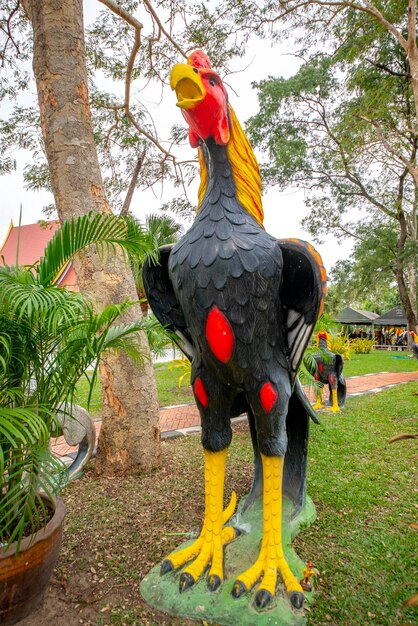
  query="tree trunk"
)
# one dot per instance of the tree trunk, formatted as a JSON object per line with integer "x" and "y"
{"x": 406, "y": 302}
{"x": 410, "y": 272}
{"x": 399, "y": 271}
{"x": 129, "y": 439}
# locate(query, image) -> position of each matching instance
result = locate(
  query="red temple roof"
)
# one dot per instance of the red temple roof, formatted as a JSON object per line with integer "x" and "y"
{"x": 33, "y": 239}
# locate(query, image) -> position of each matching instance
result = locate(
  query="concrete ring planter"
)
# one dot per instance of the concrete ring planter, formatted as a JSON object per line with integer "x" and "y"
{"x": 23, "y": 577}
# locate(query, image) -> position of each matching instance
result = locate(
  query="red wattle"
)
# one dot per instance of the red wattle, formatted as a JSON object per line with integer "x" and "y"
{"x": 219, "y": 335}
{"x": 268, "y": 397}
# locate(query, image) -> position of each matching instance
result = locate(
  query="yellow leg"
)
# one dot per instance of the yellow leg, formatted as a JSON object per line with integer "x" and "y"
{"x": 334, "y": 408}
{"x": 208, "y": 547}
{"x": 319, "y": 404}
{"x": 271, "y": 557}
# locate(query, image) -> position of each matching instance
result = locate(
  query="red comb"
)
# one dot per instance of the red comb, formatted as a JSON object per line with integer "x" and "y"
{"x": 199, "y": 59}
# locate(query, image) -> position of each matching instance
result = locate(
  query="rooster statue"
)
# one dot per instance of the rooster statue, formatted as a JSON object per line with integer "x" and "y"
{"x": 414, "y": 344}
{"x": 329, "y": 370}
{"x": 242, "y": 305}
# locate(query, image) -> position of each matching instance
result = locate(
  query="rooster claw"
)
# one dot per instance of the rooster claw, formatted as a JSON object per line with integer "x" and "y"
{"x": 238, "y": 589}
{"x": 214, "y": 582}
{"x": 186, "y": 581}
{"x": 262, "y": 599}
{"x": 166, "y": 566}
{"x": 296, "y": 599}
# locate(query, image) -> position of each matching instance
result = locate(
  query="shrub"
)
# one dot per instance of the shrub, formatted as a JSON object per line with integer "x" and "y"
{"x": 185, "y": 367}
{"x": 361, "y": 346}
{"x": 340, "y": 344}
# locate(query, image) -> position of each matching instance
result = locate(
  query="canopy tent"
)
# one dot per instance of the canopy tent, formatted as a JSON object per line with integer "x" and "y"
{"x": 394, "y": 317}
{"x": 356, "y": 316}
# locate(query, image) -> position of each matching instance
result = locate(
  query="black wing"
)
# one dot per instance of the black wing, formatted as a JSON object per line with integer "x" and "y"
{"x": 302, "y": 294}
{"x": 163, "y": 302}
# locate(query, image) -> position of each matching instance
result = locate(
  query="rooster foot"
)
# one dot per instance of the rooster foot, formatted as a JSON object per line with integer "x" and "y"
{"x": 271, "y": 560}
{"x": 334, "y": 409}
{"x": 206, "y": 551}
{"x": 267, "y": 568}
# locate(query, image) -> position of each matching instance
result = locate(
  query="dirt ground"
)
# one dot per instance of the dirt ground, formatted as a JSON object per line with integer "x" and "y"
{"x": 117, "y": 529}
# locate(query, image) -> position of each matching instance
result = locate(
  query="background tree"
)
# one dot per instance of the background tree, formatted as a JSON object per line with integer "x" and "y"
{"x": 366, "y": 280}
{"x": 129, "y": 439}
{"x": 344, "y": 128}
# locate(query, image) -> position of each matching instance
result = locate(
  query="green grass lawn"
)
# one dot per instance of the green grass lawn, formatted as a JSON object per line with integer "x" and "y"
{"x": 366, "y": 492}
{"x": 167, "y": 386}
{"x": 379, "y": 361}
{"x": 169, "y": 393}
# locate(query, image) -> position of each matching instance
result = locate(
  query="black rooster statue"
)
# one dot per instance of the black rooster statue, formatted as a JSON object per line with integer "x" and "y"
{"x": 329, "y": 371}
{"x": 243, "y": 306}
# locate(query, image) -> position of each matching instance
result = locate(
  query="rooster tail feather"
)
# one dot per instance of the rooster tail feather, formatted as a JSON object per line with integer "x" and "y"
{"x": 295, "y": 460}
{"x": 341, "y": 391}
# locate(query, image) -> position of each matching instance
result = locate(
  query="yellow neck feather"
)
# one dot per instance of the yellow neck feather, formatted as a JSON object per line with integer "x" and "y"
{"x": 244, "y": 169}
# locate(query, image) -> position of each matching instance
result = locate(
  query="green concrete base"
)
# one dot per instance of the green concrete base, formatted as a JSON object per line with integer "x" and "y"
{"x": 220, "y": 607}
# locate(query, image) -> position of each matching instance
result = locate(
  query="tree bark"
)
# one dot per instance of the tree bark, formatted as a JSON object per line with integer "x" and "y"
{"x": 129, "y": 438}
{"x": 400, "y": 274}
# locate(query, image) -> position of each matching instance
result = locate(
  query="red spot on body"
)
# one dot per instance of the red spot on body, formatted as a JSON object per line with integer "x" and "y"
{"x": 321, "y": 367}
{"x": 219, "y": 335}
{"x": 316, "y": 377}
{"x": 200, "y": 392}
{"x": 332, "y": 379}
{"x": 268, "y": 397}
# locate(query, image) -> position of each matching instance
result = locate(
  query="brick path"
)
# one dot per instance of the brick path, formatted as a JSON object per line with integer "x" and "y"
{"x": 187, "y": 415}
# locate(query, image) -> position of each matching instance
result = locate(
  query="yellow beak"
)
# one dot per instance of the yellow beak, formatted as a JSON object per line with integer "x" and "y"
{"x": 188, "y": 86}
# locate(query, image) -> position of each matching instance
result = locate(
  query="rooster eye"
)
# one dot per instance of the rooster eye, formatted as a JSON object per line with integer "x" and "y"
{"x": 212, "y": 82}
{"x": 196, "y": 71}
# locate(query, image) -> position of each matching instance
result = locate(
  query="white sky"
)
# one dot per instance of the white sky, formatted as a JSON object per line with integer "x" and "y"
{"x": 283, "y": 211}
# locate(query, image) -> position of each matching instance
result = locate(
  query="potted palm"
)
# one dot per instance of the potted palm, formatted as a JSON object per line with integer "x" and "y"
{"x": 48, "y": 338}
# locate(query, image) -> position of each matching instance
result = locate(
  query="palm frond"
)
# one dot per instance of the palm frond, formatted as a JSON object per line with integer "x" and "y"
{"x": 106, "y": 230}
{"x": 158, "y": 336}
{"x": 36, "y": 471}
{"x": 22, "y": 425}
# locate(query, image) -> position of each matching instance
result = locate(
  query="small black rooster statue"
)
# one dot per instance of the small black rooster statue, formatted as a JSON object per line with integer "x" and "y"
{"x": 329, "y": 371}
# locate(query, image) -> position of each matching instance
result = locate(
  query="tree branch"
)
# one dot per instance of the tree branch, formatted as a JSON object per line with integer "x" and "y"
{"x": 8, "y": 32}
{"x": 352, "y": 177}
{"x": 116, "y": 8}
{"x": 132, "y": 21}
{"x": 387, "y": 69}
{"x": 365, "y": 7}
{"x": 162, "y": 29}
{"x": 406, "y": 162}
{"x": 132, "y": 184}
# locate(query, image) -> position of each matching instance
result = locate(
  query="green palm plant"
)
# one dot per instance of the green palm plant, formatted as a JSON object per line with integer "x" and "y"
{"x": 48, "y": 338}
{"x": 162, "y": 230}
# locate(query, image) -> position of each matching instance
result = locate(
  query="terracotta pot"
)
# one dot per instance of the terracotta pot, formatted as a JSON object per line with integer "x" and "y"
{"x": 23, "y": 577}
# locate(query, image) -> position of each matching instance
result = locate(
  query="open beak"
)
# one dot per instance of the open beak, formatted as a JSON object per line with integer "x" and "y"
{"x": 188, "y": 86}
